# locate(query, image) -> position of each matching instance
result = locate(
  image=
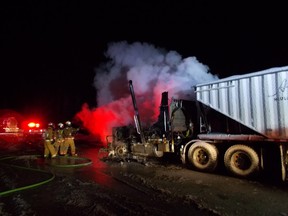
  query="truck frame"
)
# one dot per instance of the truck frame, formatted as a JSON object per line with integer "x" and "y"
{"x": 238, "y": 123}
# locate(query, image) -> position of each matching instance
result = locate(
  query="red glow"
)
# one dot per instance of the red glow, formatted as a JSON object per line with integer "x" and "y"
{"x": 101, "y": 120}
{"x": 28, "y": 124}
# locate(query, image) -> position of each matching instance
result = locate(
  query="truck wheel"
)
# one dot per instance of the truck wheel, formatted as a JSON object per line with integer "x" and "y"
{"x": 241, "y": 160}
{"x": 121, "y": 151}
{"x": 203, "y": 156}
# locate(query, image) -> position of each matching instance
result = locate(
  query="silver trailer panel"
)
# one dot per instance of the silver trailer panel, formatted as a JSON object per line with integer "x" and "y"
{"x": 258, "y": 100}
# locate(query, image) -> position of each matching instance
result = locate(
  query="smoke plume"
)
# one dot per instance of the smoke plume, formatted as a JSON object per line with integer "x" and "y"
{"x": 152, "y": 71}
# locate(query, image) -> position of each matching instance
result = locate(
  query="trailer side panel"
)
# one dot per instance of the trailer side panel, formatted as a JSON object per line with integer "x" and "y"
{"x": 257, "y": 100}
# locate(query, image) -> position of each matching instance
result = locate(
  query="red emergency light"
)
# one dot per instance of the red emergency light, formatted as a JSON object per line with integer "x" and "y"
{"x": 33, "y": 125}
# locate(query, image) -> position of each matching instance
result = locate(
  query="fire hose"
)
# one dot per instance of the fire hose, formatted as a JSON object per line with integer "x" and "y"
{"x": 51, "y": 175}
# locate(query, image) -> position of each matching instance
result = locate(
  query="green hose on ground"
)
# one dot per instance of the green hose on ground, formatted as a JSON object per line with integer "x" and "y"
{"x": 55, "y": 162}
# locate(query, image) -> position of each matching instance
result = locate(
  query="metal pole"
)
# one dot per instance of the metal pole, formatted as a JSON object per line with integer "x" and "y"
{"x": 136, "y": 116}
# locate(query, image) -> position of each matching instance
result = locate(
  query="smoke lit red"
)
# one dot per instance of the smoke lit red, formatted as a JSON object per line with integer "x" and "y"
{"x": 152, "y": 71}
{"x": 100, "y": 121}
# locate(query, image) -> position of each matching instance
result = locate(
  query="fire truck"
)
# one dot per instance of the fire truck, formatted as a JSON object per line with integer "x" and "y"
{"x": 14, "y": 129}
{"x": 238, "y": 123}
{"x": 10, "y": 131}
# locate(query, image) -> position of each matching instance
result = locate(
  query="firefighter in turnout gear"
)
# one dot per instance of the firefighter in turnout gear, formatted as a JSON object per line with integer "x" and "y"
{"x": 69, "y": 133}
{"x": 59, "y": 142}
{"x": 49, "y": 138}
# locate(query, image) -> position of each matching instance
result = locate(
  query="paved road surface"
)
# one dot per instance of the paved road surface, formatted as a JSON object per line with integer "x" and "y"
{"x": 131, "y": 188}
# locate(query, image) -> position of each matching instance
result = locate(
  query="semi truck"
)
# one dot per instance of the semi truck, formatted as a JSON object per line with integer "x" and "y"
{"x": 238, "y": 123}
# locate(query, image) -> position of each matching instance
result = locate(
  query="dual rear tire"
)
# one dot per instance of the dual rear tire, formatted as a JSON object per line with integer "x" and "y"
{"x": 239, "y": 160}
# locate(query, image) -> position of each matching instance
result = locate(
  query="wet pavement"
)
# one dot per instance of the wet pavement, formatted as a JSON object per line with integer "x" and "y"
{"x": 86, "y": 185}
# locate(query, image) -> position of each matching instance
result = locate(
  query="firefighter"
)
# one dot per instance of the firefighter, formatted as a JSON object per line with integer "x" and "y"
{"x": 59, "y": 142}
{"x": 49, "y": 138}
{"x": 69, "y": 133}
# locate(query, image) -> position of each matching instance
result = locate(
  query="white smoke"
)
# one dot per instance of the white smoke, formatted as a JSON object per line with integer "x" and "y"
{"x": 152, "y": 71}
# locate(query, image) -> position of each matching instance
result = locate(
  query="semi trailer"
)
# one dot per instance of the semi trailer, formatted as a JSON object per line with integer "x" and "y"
{"x": 238, "y": 123}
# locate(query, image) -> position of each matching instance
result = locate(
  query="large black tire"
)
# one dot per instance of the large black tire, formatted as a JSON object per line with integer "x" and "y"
{"x": 203, "y": 156}
{"x": 241, "y": 160}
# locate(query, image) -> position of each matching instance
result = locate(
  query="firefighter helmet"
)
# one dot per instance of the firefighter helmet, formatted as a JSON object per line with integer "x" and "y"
{"x": 60, "y": 125}
{"x": 68, "y": 123}
{"x": 51, "y": 125}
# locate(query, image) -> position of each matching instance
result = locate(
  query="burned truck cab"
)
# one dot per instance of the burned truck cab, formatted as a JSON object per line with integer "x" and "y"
{"x": 173, "y": 127}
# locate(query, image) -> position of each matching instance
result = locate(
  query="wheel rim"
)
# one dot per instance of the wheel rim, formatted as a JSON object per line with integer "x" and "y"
{"x": 201, "y": 156}
{"x": 121, "y": 151}
{"x": 241, "y": 160}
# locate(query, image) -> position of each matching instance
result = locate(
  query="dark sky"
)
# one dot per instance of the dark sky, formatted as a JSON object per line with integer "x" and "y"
{"x": 49, "y": 49}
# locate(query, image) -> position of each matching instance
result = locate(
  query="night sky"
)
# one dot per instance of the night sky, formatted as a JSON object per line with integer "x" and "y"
{"x": 50, "y": 49}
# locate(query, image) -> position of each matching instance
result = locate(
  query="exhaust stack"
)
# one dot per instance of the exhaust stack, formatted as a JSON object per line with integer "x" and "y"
{"x": 136, "y": 116}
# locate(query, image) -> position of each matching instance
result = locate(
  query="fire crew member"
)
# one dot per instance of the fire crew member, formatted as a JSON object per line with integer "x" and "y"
{"x": 69, "y": 133}
{"x": 59, "y": 142}
{"x": 49, "y": 138}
